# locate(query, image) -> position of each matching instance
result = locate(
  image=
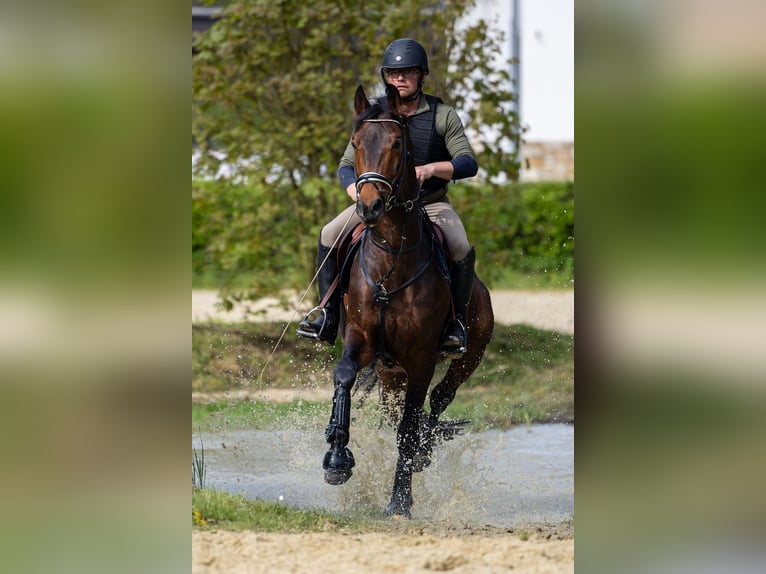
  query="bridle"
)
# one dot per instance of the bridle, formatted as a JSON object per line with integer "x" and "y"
{"x": 379, "y": 181}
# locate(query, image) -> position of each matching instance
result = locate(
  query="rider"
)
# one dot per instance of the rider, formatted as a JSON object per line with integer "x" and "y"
{"x": 441, "y": 152}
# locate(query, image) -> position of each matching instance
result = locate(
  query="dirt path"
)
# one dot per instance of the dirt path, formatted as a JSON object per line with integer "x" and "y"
{"x": 474, "y": 552}
{"x": 552, "y": 310}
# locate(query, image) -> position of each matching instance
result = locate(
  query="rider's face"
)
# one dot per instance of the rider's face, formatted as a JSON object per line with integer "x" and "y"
{"x": 404, "y": 80}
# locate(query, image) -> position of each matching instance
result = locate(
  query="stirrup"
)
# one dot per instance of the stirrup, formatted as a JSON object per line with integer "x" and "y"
{"x": 461, "y": 347}
{"x": 313, "y": 334}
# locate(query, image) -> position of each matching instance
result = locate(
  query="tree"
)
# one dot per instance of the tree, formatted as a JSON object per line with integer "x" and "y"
{"x": 272, "y": 88}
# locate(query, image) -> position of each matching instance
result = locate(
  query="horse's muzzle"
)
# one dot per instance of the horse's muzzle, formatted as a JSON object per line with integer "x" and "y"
{"x": 371, "y": 213}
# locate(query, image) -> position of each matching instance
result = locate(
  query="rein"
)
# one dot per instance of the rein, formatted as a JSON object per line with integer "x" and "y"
{"x": 381, "y": 295}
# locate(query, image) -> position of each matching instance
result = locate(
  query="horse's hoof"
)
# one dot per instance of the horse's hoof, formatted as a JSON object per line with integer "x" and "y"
{"x": 336, "y": 477}
{"x": 337, "y": 464}
{"x": 397, "y": 512}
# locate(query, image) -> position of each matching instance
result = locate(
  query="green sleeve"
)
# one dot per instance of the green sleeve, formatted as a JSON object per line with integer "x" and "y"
{"x": 448, "y": 124}
{"x": 348, "y": 157}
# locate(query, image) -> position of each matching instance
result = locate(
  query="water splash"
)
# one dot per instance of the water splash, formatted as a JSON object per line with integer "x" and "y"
{"x": 497, "y": 478}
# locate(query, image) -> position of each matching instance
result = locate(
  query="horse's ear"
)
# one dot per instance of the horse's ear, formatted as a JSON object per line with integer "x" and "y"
{"x": 361, "y": 102}
{"x": 394, "y": 100}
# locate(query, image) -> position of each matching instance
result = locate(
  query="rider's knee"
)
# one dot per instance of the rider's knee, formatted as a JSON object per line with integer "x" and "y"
{"x": 326, "y": 236}
{"x": 460, "y": 250}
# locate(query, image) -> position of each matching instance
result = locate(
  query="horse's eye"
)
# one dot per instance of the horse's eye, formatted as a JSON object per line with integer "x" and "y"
{"x": 397, "y": 144}
{"x": 353, "y": 145}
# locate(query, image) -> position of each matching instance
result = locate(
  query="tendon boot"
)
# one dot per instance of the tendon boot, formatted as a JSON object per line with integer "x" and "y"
{"x": 339, "y": 460}
{"x": 455, "y": 340}
{"x": 322, "y": 322}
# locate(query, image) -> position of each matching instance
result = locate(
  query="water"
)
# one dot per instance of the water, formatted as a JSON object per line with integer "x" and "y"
{"x": 497, "y": 478}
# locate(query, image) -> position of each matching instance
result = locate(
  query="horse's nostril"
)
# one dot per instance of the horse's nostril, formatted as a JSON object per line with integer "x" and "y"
{"x": 371, "y": 212}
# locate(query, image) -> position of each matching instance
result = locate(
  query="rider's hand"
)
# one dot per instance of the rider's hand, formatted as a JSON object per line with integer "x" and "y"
{"x": 424, "y": 172}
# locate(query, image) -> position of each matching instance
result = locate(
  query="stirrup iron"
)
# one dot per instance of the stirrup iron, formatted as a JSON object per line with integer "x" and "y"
{"x": 460, "y": 349}
{"x": 307, "y": 319}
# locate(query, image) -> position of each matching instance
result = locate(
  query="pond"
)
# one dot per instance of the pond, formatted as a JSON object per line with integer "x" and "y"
{"x": 498, "y": 478}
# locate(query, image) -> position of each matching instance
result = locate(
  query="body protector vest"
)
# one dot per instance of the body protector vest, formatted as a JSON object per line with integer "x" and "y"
{"x": 428, "y": 147}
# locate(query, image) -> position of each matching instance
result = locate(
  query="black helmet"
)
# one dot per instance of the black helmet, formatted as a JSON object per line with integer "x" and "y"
{"x": 405, "y": 53}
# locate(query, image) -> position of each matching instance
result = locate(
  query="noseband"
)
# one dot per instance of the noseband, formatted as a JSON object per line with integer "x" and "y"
{"x": 391, "y": 196}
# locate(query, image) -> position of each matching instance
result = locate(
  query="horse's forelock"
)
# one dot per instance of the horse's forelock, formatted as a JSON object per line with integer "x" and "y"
{"x": 372, "y": 112}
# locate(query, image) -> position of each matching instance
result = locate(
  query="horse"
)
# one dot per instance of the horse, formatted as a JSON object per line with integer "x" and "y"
{"x": 396, "y": 306}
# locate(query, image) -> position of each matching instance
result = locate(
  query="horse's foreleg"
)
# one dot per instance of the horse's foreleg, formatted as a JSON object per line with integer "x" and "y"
{"x": 338, "y": 461}
{"x": 401, "y": 494}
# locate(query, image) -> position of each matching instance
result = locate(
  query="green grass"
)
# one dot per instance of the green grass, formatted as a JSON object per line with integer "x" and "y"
{"x": 527, "y": 375}
{"x": 261, "y": 415}
{"x": 216, "y": 509}
{"x": 199, "y": 470}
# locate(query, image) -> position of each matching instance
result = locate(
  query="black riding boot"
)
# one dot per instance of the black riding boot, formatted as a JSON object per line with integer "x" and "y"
{"x": 456, "y": 336}
{"x": 324, "y": 325}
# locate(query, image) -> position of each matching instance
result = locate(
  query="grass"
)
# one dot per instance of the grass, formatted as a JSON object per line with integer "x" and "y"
{"x": 199, "y": 471}
{"x": 527, "y": 375}
{"x": 263, "y": 415}
{"x": 216, "y": 509}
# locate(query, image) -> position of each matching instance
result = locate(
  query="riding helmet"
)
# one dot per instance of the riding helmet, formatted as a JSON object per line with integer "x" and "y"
{"x": 405, "y": 53}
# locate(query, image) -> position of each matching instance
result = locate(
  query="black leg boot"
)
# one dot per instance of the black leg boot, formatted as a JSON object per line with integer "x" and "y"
{"x": 322, "y": 323}
{"x": 456, "y": 335}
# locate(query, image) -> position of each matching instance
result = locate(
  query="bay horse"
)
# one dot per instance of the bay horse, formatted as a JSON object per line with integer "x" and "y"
{"x": 397, "y": 305}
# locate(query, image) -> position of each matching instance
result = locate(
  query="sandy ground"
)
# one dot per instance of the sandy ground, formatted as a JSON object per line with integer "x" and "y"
{"x": 380, "y": 553}
{"x": 471, "y": 550}
{"x": 552, "y": 310}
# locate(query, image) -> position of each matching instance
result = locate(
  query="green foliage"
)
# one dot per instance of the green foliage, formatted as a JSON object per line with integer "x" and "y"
{"x": 243, "y": 229}
{"x": 527, "y": 227}
{"x": 524, "y": 235}
{"x": 272, "y": 87}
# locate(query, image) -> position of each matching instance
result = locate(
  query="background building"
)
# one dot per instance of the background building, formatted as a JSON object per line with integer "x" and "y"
{"x": 540, "y": 35}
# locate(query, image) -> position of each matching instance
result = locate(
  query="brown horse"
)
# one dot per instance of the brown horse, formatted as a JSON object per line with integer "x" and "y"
{"x": 397, "y": 305}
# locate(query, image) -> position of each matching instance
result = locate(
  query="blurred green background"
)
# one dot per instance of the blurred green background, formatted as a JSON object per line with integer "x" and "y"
{"x": 670, "y": 366}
